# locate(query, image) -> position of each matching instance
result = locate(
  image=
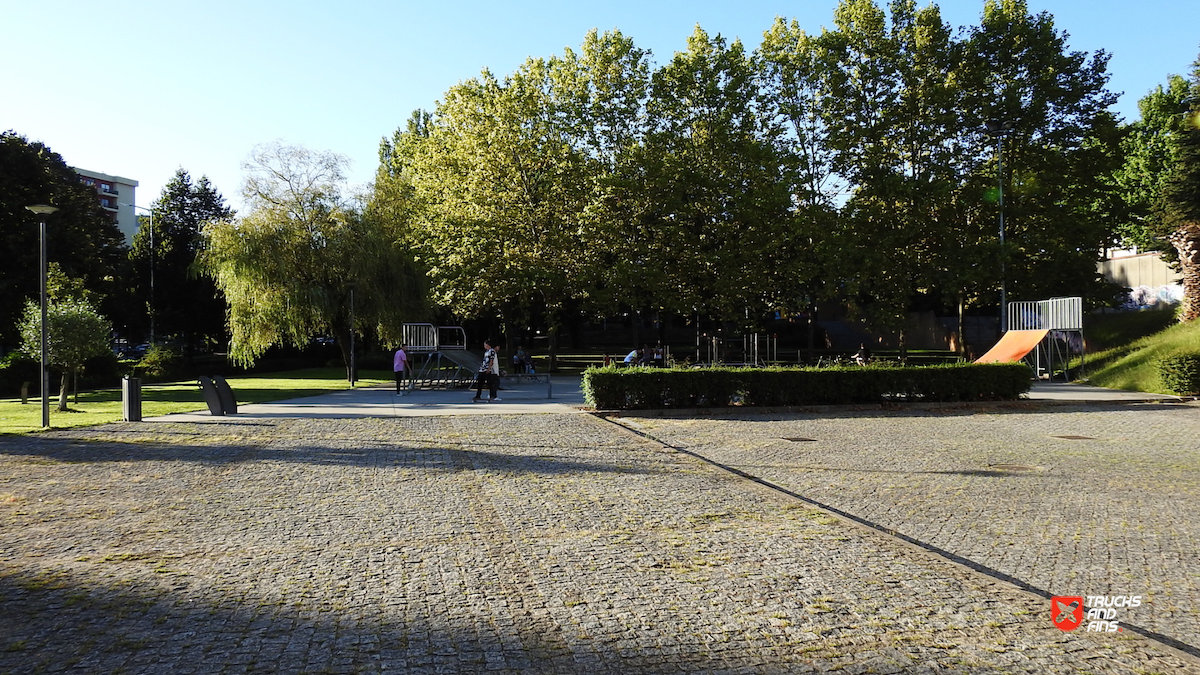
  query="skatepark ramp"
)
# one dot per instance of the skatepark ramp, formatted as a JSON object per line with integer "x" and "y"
{"x": 1013, "y": 346}
{"x": 439, "y": 356}
{"x": 1045, "y": 332}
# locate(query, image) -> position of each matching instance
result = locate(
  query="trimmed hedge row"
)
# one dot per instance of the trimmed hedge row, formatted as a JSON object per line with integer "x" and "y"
{"x": 615, "y": 388}
{"x": 1180, "y": 374}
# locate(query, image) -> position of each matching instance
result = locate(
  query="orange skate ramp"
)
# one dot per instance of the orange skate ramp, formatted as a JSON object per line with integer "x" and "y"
{"x": 1013, "y": 346}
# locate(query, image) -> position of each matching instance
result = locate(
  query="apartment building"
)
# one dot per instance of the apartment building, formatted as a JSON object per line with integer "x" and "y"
{"x": 114, "y": 194}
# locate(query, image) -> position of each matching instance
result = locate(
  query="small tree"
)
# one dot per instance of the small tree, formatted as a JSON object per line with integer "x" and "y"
{"x": 75, "y": 333}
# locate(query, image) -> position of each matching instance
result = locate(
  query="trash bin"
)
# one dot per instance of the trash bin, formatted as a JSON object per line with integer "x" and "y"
{"x": 131, "y": 398}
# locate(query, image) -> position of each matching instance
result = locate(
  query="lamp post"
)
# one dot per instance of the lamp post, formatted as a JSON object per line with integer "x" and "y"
{"x": 999, "y": 129}
{"x": 151, "y": 212}
{"x": 42, "y": 211}
{"x": 353, "y": 363}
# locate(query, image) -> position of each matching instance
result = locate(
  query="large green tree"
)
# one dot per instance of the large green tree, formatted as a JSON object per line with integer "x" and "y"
{"x": 185, "y": 305}
{"x": 83, "y": 240}
{"x": 720, "y": 235}
{"x": 288, "y": 267}
{"x": 501, "y": 192}
{"x": 1060, "y": 154}
{"x": 1181, "y": 200}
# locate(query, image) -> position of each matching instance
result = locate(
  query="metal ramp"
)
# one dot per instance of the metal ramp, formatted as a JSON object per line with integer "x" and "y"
{"x": 439, "y": 356}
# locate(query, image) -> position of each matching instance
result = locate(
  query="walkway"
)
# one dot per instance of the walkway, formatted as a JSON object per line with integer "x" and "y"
{"x": 563, "y": 543}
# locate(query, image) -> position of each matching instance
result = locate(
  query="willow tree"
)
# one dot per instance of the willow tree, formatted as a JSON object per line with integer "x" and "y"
{"x": 289, "y": 267}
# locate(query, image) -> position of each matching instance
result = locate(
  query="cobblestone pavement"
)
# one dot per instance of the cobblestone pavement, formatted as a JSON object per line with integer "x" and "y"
{"x": 540, "y": 543}
{"x": 1073, "y": 500}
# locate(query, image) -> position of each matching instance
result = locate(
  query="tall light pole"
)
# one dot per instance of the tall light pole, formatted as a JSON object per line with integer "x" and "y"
{"x": 42, "y": 211}
{"x": 999, "y": 129}
{"x": 135, "y": 206}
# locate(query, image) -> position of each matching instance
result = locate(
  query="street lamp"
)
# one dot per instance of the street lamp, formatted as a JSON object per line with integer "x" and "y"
{"x": 999, "y": 129}
{"x": 42, "y": 211}
{"x": 135, "y": 206}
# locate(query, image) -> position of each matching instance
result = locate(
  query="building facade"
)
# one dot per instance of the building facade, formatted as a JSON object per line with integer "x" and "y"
{"x": 114, "y": 194}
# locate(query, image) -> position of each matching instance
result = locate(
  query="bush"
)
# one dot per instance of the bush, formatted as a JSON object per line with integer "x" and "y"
{"x": 1180, "y": 374}
{"x": 160, "y": 364}
{"x": 642, "y": 388}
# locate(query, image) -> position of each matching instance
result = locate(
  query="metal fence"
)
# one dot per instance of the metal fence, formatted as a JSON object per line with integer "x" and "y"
{"x": 1052, "y": 314}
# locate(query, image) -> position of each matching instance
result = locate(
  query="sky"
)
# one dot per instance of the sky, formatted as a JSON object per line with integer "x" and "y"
{"x": 139, "y": 88}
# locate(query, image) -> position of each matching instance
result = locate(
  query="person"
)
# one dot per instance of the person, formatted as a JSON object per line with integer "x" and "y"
{"x": 519, "y": 360}
{"x": 400, "y": 366}
{"x": 863, "y": 356}
{"x": 489, "y": 374}
{"x": 632, "y": 358}
{"x": 659, "y": 359}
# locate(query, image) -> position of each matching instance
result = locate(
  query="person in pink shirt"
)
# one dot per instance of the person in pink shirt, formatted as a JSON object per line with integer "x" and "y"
{"x": 400, "y": 366}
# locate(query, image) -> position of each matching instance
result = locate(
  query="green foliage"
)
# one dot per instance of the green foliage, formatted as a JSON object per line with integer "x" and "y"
{"x": 1133, "y": 366}
{"x": 850, "y": 165}
{"x": 288, "y": 267}
{"x": 160, "y": 364}
{"x": 75, "y": 333}
{"x": 1180, "y": 374}
{"x": 185, "y": 305}
{"x": 83, "y": 241}
{"x": 639, "y": 388}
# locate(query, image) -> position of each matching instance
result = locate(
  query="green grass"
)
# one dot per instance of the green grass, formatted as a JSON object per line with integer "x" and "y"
{"x": 1133, "y": 366}
{"x": 103, "y": 406}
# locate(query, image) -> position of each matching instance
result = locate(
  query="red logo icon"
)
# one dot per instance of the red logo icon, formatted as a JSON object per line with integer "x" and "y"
{"x": 1067, "y": 611}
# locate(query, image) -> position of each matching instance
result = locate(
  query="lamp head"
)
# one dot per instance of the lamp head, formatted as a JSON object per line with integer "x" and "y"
{"x": 42, "y": 209}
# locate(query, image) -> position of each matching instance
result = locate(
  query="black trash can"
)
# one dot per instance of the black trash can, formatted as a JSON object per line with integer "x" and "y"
{"x": 131, "y": 398}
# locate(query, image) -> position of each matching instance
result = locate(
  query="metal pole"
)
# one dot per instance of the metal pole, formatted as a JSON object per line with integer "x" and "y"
{"x": 1003, "y": 291}
{"x": 42, "y": 211}
{"x": 353, "y": 371}
{"x": 45, "y": 341}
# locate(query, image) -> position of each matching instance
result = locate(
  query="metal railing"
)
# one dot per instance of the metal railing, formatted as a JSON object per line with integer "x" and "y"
{"x": 1052, "y": 314}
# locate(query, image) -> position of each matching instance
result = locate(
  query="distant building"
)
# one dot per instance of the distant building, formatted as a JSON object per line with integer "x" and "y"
{"x": 114, "y": 194}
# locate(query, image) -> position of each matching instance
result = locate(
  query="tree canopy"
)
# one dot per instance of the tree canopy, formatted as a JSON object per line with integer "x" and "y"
{"x": 83, "y": 240}
{"x": 287, "y": 267}
{"x": 185, "y": 305}
{"x": 852, "y": 165}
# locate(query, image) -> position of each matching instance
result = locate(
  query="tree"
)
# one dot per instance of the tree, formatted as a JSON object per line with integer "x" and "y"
{"x": 1150, "y": 151}
{"x": 718, "y": 236}
{"x": 83, "y": 240}
{"x": 185, "y": 305}
{"x": 288, "y": 268}
{"x": 500, "y": 193}
{"x": 1059, "y": 199}
{"x": 75, "y": 332}
{"x": 1181, "y": 201}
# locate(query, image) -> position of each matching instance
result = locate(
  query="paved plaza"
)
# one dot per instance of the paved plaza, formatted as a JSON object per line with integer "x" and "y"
{"x": 561, "y": 542}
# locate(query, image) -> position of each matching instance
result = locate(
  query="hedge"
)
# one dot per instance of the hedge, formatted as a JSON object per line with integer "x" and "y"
{"x": 1180, "y": 374}
{"x": 613, "y": 388}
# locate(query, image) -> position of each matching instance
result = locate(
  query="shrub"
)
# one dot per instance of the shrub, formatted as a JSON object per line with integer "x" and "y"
{"x": 160, "y": 364}
{"x": 1180, "y": 374}
{"x": 641, "y": 388}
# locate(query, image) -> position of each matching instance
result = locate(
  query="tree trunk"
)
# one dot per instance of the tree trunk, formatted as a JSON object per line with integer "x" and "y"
{"x": 343, "y": 340}
{"x": 1186, "y": 241}
{"x": 62, "y": 392}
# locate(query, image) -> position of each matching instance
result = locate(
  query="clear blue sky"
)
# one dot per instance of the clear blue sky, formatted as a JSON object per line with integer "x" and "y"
{"x": 140, "y": 88}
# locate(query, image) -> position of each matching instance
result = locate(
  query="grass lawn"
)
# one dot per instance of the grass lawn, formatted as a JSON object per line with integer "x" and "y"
{"x": 1133, "y": 366}
{"x": 103, "y": 406}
